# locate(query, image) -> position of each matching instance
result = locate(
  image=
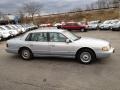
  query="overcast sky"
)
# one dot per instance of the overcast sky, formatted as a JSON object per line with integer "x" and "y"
{"x": 49, "y": 6}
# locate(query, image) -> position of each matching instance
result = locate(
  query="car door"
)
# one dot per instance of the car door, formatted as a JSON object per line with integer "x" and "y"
{"x": 76, "y": 26}
{"x": 38, "y": 43}
{"x": 67, "y": 26}
{"x": 58, "y": 45}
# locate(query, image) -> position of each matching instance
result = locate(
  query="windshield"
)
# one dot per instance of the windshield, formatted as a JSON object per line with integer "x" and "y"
{"x": 71, "y": 35}
{"x": 2, "y": 28}
{"x": 115, "y": 21}
{"x": 93, "y": 22}
{"x": 8, "y": 27}
{"x": 107, "y": 22}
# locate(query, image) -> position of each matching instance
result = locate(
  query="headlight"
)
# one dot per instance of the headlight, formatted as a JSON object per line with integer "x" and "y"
{"x": 105, "y": 49}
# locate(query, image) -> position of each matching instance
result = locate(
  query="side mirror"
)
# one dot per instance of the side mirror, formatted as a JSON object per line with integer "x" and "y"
{"x": 68, "y": 40}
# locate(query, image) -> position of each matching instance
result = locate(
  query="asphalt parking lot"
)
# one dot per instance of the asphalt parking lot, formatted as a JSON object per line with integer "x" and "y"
{"x": 60, "y": 73}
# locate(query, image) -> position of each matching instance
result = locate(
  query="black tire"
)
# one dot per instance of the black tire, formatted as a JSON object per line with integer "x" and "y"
{"x": 26, "y": 54}
{"x": 86, "y": 56}
{"x": 58, "y": 27}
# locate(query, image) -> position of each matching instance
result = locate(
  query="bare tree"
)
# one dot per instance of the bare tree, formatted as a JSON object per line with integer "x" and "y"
{"x": 115, "y": 3}
{"x": 32, "y": 8}
{"x": 1, "y": 14}
{"x": 76, "y": 9}
{"x": 103, "y": 4}
{"x": 21, "y": 14}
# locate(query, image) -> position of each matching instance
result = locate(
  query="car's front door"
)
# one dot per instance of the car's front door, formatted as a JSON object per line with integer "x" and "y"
{"x": 58, "y": 45}
{"x": 38, "y": 43}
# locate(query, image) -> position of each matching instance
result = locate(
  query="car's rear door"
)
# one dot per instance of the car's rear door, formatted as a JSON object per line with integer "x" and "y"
{"x": 38, "y": 43}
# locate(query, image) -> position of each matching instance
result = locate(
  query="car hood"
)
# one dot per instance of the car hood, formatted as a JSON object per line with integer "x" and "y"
{"x": 91, "y": 42}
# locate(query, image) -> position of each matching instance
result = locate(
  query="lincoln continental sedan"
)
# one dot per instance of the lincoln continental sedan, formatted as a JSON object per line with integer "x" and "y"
{"x": 59, "y": 43}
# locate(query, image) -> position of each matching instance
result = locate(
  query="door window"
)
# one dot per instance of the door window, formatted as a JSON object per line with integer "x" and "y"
{"x": 57, "y": 37}
{"x": 41, "y": 37}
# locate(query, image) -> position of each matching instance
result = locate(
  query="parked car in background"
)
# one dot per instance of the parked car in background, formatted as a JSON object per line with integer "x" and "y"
{"x": 73, "y": 26}
{"x": 93, "y": 25}
{"x": 32, "y": 26}
{"x": 16, "y": 28}
{"x": 4, "y": 34}
{"x": 46, "y": 25}
{"x": 1, "y": 36}
{"x": 57, "y": 24}
{"x": 107, "y": 25}
{"x": 11, "y": 31}
{"x": 59, "y": 43}
{"x": 20, "y": 27}
{"x": 16, "y": 31}
{"x": 116, "y": 26}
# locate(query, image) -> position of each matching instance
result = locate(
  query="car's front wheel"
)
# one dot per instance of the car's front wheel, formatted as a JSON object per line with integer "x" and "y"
{"x": 86, "y": 56}
{"x": 26, "y": 54}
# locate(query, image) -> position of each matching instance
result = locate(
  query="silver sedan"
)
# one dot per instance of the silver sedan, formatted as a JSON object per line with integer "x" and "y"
{"x": 59, "y": 43}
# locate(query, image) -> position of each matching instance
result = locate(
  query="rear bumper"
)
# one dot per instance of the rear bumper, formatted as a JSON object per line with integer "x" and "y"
{"x": 11, "y": 51}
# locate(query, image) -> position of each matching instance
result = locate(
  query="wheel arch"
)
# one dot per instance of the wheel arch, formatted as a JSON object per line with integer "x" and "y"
{"x": 83, "y": 48}
{"x": 24, "y": 47}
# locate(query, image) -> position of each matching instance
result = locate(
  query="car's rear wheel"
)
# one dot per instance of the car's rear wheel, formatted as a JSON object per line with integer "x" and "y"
{"x": 86, "y": 56}
{"x": 26, "y": 54}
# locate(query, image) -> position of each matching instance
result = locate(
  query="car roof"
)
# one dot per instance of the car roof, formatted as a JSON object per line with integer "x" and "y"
{"x": 46, "y": 30}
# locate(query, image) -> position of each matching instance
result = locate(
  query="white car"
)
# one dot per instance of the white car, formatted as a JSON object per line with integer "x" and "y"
{"x": 93, "y": 25}
{"x": 57, "y": 24}
{"x": 17, "y": 28}
{"x": 106, "y": 25}
{"x": 11, "y": 27}
{"x": 1, "y": 36}
{"x": 116, "y": 26}
{"x": 11, "y": 31}
{"x": 26, "y": 27}
{"x": 32, "y": 26}
{"x": 21, "y": 27}
{"x": 59, "y": 43}
{"x": 4, "y": 33}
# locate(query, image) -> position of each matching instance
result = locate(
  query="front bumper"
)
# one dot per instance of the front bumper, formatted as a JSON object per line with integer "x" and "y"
{"x": 105, "y": 54}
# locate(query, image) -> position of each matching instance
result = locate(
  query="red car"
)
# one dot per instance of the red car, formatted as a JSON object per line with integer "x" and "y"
{"x": 73, "y": 26}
